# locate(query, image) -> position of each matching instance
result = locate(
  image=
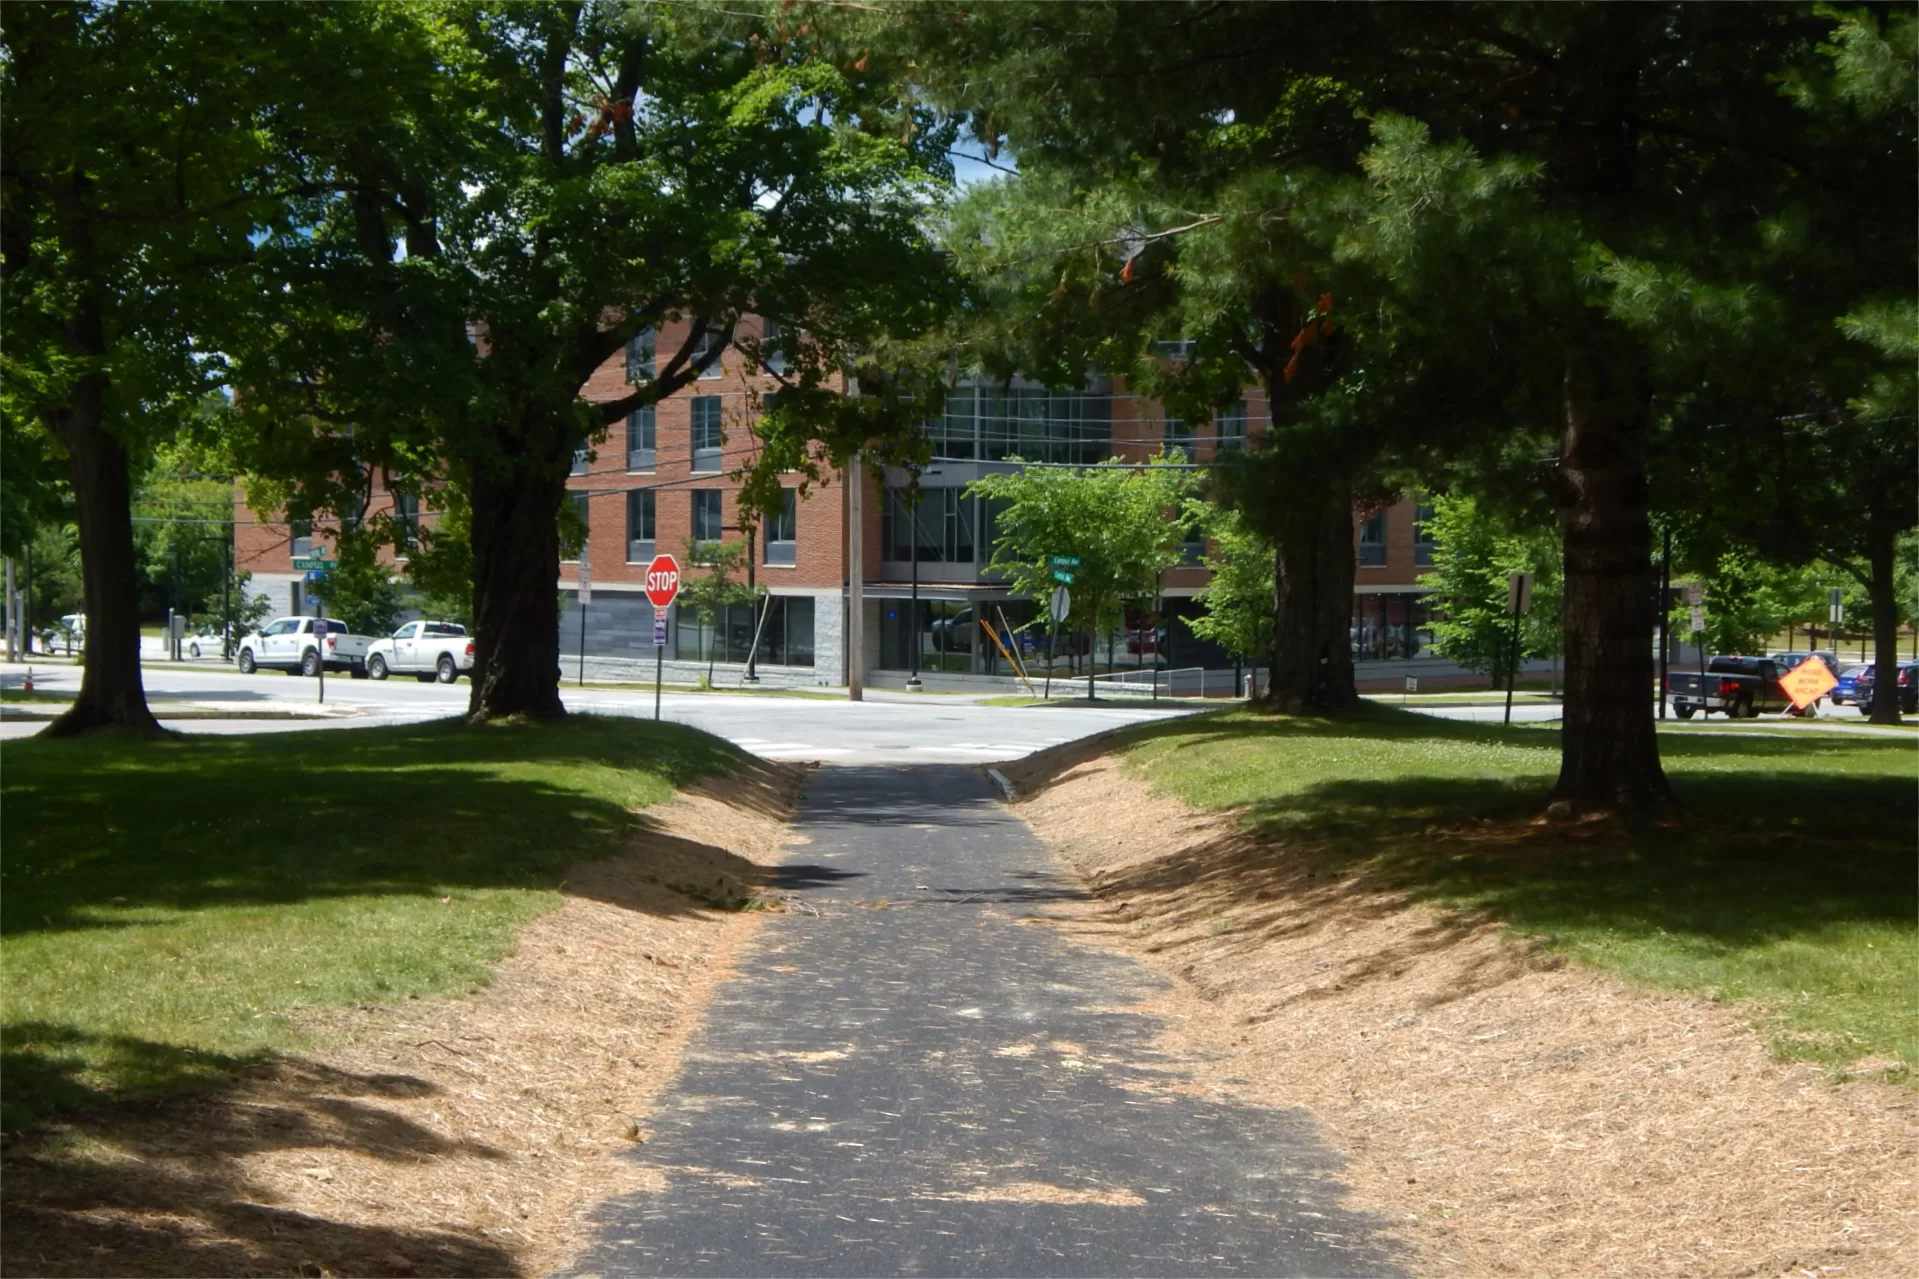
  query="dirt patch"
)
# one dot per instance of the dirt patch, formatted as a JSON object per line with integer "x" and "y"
{"x": 435, "y": 1136}
{"x": 1508, "y": 1113}
{"x": 1039, "y": 1192}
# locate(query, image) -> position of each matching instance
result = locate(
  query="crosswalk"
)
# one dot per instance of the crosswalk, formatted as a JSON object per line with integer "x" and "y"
{"x": 942, "y": 752}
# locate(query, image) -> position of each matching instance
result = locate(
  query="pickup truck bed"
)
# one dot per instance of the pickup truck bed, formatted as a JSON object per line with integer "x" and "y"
{"x": 1737, "y": 687}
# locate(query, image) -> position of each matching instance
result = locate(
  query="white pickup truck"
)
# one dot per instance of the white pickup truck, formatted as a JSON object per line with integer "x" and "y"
{"x": 304, "y": 645}
{"x": 424, "y": 650}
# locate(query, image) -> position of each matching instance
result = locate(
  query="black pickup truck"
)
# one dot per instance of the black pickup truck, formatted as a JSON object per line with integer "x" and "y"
{"x": 1741, "y": 687}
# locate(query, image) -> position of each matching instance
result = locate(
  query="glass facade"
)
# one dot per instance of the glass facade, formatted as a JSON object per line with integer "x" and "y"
{"x": 707, "y": 436}
{"x": 641, "y": 514}
{"x": 786, "y": 637}
{"x": 990, "y": 423}
{"x": 943, "y": 527}
{"x": 945, "y": 632}
{"x": 1391, "y": 627}
{"x": 1179, "y": 435}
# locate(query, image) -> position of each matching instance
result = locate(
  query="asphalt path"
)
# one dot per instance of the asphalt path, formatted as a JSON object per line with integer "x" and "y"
{"x": 911, "y": 1078}
{"x": 886, "y": 728}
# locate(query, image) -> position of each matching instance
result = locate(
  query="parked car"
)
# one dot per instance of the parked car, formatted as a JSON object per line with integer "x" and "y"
{"x": 1908, "y": 688}
{"x": 304, "y": 645}
{"x": 1789, "y": 661}
{"x": 1739, "y": 687}
{"x": 206, "y": 641}
{"x": 1846, "y": 689}
{"x": 426, "y": 650}
{"x": 953, "y": 634}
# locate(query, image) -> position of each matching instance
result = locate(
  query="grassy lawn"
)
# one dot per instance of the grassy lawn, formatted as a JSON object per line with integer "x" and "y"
{"x": 1790, "y": 881}
{"x": 162, "y": 903}
{"x": 34, "y": 695}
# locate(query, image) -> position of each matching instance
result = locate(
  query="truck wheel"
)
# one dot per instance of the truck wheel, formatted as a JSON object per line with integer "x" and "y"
{"x": 376, "y": 667}
{"x": 448, "y": 671}
{"x": 247, "y": 665}
{"x": 1683, "y": 712}
{"x": 1742, "y": 708}
{"x": 310, "y": 663}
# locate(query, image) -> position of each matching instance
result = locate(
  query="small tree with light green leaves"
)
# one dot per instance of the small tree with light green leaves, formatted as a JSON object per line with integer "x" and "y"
{"x": 1239, "y": 598}
{"x": 1124, "y": 522}
{"x": 714, "y": 591}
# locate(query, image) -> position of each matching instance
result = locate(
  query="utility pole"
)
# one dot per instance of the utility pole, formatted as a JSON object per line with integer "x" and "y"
{"x": 13, "y": 613}
{"x": 752, "y": 557}
{"x": 913, "y": 609}
{"x": 1665, "y": 619}
{"x": 855, "y": 581}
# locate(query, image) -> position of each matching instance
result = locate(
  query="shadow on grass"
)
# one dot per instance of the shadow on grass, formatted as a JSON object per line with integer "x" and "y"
{"x": 95, "y": 830}
{"x": 161, "y": 1187}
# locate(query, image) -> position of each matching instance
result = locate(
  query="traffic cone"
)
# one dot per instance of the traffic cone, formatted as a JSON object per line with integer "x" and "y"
{"x": 29, "y": 681}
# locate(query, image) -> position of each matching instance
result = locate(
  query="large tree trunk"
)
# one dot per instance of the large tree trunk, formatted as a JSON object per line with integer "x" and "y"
{"x": 1609, "y": 754}
{"x": 1313, "y": 606}
{"x": 1882, "y": 590}
{"x": 516, "y": 561}
{"x": 111, "y": 694}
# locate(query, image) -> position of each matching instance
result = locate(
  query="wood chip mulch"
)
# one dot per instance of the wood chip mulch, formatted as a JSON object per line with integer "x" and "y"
{"x": 1503, "y": 1112}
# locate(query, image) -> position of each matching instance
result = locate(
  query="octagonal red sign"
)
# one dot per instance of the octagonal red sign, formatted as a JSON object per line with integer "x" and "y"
{"x": 662, "y": 580}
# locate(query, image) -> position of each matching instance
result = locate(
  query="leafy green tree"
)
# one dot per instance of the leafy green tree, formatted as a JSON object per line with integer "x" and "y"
{"x": 565, "y": 180}
{"x": 124, "y": 214}
{"x": 1567, "y": 231}
{"x": 1473, "y": 560}
{"x": 715, "y": 591}
{"x": 1239, "y": 597}
{"x": 1124, "y": 523}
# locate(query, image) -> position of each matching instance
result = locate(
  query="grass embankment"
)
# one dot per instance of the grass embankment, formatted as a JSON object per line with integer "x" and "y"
{"x": 1789, "y": 881}
{"x": 164, "y": 901}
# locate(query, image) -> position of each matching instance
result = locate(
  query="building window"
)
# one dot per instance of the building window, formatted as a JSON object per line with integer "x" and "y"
{"x": 1179, "y": 435}
{"x": 706, "y": 516}
{"x": 1179, "y": 352}
{"x": 992, "y": 423}
{"x": 582, "y": 460}
{"x": 641, "y": 510}
{"x": 581, "y": 505}
{"x": 706, "y": 433}
{"x": 939, "y": 530}
{"x": 1372, "y": 541}
{"x": 704, "y": 342}
{"x": 406, "y": 523}
{"x": 639, "y": 439}
{"x": 780, "y": 528}
{"x": 1423, "y": 543}
{"x": 301, "y": 533}
{"x": 785, "y": 632}
{"x": 640, "y": 358}
{"x": 772, "y": 353}
{"x": 1232, "y": 428}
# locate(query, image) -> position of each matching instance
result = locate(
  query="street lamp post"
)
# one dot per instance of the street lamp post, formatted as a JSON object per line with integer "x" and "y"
{"x": 913, "y": 608}
{"x": 753, "y": 651}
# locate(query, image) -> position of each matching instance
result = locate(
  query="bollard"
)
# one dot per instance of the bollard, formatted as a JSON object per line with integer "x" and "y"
{"x": 1249, "y": 686}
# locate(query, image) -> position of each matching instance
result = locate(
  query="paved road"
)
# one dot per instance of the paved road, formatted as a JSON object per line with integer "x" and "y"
{"x": 887, "y": 728}
{"x": 918, "y": 1081}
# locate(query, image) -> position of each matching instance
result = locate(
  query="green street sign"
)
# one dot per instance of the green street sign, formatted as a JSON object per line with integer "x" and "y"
{"x": 1066, "y": 561}
{"x": 311, "y": 561}
{"x": 1058, "y": 576}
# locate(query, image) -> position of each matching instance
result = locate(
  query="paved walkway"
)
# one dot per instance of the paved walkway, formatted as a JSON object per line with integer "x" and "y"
{"x": 918, "y": 1081}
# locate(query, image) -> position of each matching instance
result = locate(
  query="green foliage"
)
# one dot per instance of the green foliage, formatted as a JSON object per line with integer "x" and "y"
{"x": 1239, "y": 598}
{"x": 1125, "y": 523}
{"x": 1748, "y": 601}
{"x": 439, "y": 563}
{"x": 361, "y": 591}
{"x": 1475, "y": 555}
{"x": 182, "y": 532}
{"x": 714, "y": 591}
{"x": 1789, "y": 887}
{"x": 160, "y": 919}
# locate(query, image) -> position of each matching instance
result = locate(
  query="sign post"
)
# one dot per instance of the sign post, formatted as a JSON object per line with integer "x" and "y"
{"x": 316, "y": 568}
{"x": 1058, "y": 608}
{"x": 1695, "y": 596}
{"x": 662, "y": 585}
{"x": 1519, "y": 602}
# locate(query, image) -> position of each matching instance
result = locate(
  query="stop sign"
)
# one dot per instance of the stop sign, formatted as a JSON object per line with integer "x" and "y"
{"x": 662, "y": 580}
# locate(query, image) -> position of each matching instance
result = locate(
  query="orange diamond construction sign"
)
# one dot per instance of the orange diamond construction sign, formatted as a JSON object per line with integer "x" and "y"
{"x": 1807, "y": 682}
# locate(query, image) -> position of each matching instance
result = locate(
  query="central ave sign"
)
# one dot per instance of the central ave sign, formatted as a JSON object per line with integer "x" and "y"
{"x": 662, "y": 580}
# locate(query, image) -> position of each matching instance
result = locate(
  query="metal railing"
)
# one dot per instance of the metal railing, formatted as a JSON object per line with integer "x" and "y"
{"x": 1183, "y": 681}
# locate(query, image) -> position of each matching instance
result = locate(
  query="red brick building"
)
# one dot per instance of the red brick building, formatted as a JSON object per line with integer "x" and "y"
{"x": 660, "y": 480}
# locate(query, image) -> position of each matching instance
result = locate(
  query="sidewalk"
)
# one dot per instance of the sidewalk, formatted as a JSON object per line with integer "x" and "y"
{"x": 914, "y": 1079}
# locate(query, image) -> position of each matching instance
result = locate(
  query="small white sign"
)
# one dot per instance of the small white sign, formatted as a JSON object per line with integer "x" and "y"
{"x": 1698, "y": 619}
{"x": 1412, "y": 684}
{"x": 586, "y": 578}
{"x": 1519, "y": 594}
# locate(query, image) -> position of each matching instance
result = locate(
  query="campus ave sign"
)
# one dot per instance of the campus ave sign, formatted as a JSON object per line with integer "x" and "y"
{"x": 662, "y": 580}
